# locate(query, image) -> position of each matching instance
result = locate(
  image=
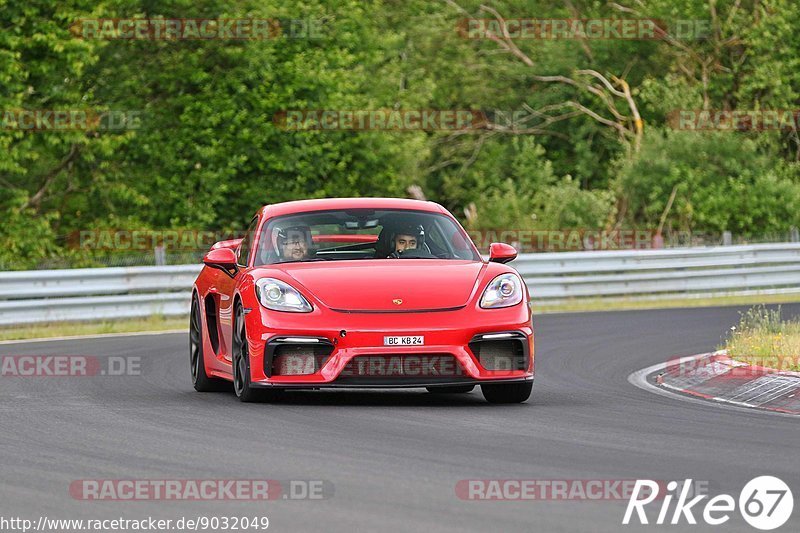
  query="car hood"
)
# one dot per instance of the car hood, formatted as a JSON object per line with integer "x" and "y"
{"x": 388, "y": 285}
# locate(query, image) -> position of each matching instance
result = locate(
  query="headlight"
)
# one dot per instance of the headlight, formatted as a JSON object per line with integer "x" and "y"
{"x": 279, "y": 296}
{"x": 503, "y": 291}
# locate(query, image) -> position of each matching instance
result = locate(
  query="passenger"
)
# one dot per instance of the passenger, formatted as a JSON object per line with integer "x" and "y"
{"x": 294, "y": 243}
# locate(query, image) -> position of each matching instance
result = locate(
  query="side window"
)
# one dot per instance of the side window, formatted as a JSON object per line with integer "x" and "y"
{"x": 244, "y": 248}
{"x": 452, "y": 242}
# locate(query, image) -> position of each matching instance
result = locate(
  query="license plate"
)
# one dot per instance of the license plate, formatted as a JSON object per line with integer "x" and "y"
{"x": 409, "y": 340}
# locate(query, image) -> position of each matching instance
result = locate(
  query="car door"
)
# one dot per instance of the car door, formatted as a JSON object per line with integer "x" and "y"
{"x": 227, "y": 289}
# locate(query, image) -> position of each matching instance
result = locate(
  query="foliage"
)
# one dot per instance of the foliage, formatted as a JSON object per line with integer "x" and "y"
{"x": 761, "y": 338}
{"x": 208, "y": 151}
{"x": 724, "y": 182}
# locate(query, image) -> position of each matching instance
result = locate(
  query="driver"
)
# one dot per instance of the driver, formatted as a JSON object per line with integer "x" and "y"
{"x": 408, "y": 237}
{"x": 294, "y": 243}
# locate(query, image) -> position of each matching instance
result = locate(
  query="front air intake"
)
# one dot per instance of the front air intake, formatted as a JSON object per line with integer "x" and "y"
{"x": 501, "y": 351}
{"x": 296, "y": 356}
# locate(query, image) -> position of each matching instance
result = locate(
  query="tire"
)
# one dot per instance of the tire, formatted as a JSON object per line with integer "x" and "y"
{"x": 197, "y": 362}
{"x": 451, "y": 389}
{"x": 507, "y": 392}
{"x": 241, "y": 360}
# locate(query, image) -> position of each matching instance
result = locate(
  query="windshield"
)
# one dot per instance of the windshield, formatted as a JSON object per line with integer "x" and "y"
{"x": 356, "y": 234}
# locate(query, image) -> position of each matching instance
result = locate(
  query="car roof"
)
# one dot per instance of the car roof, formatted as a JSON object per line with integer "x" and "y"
{"x": 321, "y": 204}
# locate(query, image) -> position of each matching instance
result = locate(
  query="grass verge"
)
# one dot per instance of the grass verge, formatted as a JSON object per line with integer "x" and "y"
{"x": 601, "y": 304}
{"x": 762, "y": 338}
{"x": 67, "y": 329}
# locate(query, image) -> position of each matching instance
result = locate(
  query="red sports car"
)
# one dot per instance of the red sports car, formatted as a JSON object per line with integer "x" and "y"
{"x": 360, "y": 292}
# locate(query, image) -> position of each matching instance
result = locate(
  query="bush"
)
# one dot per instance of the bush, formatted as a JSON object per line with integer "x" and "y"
{"x": 725, "y": 181}
{"x": 24, "y": 238}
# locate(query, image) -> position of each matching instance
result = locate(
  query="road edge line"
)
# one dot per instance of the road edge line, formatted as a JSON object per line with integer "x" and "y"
{"x": 97, "y": 336}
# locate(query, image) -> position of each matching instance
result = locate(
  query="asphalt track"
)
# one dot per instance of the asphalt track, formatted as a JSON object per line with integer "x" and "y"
{"x": 394, "y": 458}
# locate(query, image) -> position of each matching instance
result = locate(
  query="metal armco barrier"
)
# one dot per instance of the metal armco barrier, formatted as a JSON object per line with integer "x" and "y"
{"x": 108, "y": 293}
{"x": 719, "y": 270}
{"x": 41, "y": 296}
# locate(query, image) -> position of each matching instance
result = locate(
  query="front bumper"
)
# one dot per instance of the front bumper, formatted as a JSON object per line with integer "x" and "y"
{"x": 397, "y": 384}
{"x": 350, "y": 338}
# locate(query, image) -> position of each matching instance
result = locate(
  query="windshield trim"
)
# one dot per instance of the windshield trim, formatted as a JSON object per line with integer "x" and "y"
{"x": 268, "y": 221}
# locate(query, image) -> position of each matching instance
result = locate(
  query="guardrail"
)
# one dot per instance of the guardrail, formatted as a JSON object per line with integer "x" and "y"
{"x": 41, "y": 296}
{"x": 108, "y": 293}
{"x": 713, "y": 271}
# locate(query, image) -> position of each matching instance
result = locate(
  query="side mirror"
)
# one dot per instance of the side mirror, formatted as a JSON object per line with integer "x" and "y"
{"x": 223, "y": 259}
{"x": 500, "y": 252}
{"x": 232, "y": 244}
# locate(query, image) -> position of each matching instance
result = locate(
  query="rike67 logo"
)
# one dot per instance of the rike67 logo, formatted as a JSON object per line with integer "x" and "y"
{"x": 765, "y": 503}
